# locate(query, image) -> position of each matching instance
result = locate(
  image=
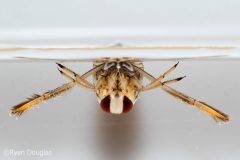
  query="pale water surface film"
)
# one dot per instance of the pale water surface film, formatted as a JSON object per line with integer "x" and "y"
{"x": 73, "y": 126}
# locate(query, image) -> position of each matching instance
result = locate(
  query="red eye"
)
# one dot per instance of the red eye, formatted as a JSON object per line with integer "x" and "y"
{"x": 127, "y": 104}
{"x": 105, "y": 103}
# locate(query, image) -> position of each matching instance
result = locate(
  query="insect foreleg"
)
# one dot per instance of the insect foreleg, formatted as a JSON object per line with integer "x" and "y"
{"x": 79, "y": 79}
{"x": 173, "y": 80}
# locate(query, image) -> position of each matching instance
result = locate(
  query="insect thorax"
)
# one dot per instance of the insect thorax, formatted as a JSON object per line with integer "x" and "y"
{"x": 118, "y": 79}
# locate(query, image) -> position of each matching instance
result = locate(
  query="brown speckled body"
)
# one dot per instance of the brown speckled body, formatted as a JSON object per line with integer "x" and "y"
{"x": 118, "y": 79}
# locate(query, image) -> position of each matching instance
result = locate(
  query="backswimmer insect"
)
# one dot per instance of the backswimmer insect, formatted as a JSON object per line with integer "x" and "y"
{"x": 118, "y": 83}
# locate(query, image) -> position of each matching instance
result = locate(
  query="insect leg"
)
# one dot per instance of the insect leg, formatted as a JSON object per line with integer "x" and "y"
{"x": 159, "y": 84}
{"x": 173, "y": 80}
{"x": 36, "y": 99}
{"x": 156, "y": 82}
{"x": 79, "y": 79}
{"x": 70, "y": 78}
{"x": 92, "y": 71}
{"x": 169, "y": 70}
{"x": 216, "y": 114}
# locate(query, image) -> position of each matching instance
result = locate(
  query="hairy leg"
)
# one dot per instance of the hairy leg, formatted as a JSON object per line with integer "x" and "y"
{"x": 36, "y": 99}
{"x": 213, "y": 112}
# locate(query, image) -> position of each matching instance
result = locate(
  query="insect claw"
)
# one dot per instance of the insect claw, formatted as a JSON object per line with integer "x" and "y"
{"x": 180, "y": 78}
{"x": 60, "y": 65}
{"x": 176, "y": 64}
{"x": 60, "y": 71}
{"x": 173, "y": 80}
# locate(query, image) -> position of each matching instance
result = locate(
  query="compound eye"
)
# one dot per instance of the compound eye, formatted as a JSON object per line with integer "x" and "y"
{"x": 127, "y": 104}
{"x": 105, "y": 103}
{"x": 109, "y": 65}
{"x": 128, "y": 66}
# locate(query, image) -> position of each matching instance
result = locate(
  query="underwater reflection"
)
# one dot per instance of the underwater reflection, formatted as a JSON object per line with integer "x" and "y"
{"x": 118, "y": 135}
